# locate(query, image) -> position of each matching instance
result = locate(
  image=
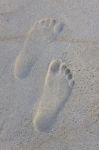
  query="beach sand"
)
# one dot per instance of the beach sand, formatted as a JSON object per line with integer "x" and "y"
{"x": 72, "y": 36}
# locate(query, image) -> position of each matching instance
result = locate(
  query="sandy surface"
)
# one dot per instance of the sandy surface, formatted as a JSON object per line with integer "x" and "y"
{"x": 77, "y": 126}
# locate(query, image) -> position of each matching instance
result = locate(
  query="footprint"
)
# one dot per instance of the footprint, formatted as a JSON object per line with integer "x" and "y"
{"x": 39, "y": 37}
{"x": 57, "y": 89}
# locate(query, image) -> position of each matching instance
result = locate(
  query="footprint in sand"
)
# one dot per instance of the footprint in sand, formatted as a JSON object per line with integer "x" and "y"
{"x": 39, "y": 37}
{"x": 57, "y": 89}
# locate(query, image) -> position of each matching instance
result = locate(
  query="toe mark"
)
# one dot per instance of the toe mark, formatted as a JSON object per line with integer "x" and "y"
{"x": 54, "y": 66}
{"x": 53, "y": 21}
{"x": 59, "y": 27}
{"x": 70, "y": 76}
{"x": 67, "y": 71}
{"x": 63, "y": 67}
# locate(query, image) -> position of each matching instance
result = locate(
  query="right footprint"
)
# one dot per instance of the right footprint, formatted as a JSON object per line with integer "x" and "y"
{"x": 39, "y": 37}
{"x": 57, "y": 89}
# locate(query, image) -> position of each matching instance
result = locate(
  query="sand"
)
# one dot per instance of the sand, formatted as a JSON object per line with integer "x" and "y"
{"x": 77, "y": 124}
{"x": 57, "y": 89}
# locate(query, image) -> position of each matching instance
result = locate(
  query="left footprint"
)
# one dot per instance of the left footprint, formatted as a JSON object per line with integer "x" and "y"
{"x": 40, "y": 36}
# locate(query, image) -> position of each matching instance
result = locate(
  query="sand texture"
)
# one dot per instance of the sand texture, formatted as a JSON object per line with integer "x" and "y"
{"x": 49, "y": 75}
